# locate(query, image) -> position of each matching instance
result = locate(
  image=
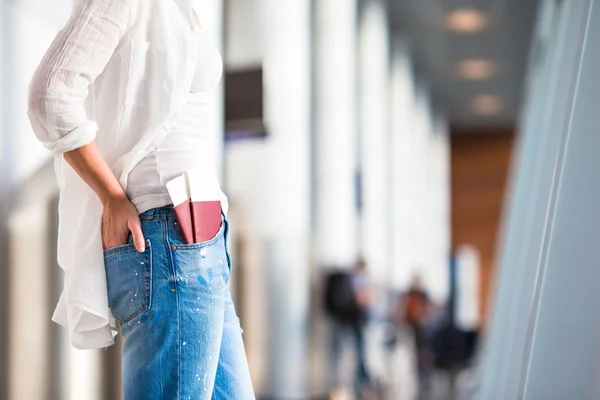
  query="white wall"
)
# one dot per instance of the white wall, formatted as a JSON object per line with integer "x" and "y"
{"x": 374, "y": 138}
{"x": 28, "y": 28}
{"x": 268, "y": 183}
{"x": 245, "y": 38}
{"x": 537, "y": 346}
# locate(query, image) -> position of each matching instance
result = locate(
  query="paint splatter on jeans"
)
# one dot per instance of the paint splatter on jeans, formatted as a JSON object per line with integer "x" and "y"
{"x": 183, "y": 339}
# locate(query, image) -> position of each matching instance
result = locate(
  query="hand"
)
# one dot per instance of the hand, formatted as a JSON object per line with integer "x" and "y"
{"x": 119, "y": 217}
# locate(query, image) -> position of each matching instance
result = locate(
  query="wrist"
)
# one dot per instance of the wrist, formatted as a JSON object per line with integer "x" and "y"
{"x": 113, "y": 198}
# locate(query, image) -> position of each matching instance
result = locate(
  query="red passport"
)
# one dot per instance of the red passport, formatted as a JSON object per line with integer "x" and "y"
{"x": 184, "y": 217}
{"x": 206, "y": 219}
{"x": 199, "y": 220}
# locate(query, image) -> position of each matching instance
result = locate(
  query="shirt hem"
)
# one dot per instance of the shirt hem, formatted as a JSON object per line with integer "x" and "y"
{"x": 147, "y": 202}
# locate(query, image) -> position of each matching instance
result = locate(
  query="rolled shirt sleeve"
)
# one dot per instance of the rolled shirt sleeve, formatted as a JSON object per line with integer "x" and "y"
{"x": 60, "y": 84}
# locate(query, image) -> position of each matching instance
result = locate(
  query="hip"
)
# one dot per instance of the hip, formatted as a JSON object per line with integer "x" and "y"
{"x": 167, "y": 265}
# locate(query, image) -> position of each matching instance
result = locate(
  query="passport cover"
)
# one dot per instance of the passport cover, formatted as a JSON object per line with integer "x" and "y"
{"x": 184, "y": 217}
{"x": 206, "y": 219}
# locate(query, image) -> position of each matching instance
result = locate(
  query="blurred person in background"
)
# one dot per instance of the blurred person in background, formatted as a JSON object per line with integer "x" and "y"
{"x": 121, "y": 98}
{"x": 448, "y": 344}
{"x": 363, "y": 293}
{"x": 416, "y": 312}
{"x": 348, "y": 297}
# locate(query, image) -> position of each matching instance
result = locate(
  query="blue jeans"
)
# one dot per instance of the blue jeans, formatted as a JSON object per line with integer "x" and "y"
{"x": 182, "y": 336}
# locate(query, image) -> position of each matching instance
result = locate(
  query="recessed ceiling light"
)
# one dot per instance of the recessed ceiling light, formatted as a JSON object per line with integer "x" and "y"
{"x": 487, "y": 104}
{"x": 466, "y": 20}
{"x": 476, "y": 69}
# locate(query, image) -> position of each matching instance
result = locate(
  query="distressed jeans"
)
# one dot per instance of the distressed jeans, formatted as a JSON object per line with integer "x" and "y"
{"x": 182, "y": 336}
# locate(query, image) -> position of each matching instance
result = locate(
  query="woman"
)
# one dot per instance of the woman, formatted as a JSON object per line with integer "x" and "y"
{"x": 123, "y": 99}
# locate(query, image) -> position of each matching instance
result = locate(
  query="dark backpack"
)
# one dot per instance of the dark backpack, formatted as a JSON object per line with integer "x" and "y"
{"x": 449, "y": 347}
{"x": 340, "y": 300}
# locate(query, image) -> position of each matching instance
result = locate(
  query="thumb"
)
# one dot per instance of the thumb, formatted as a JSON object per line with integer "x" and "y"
{"x": 138, "y": 236}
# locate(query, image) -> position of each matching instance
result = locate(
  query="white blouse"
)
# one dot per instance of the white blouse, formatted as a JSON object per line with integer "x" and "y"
{"x": 190, "y": 143}
{"x": 119, "y": 72}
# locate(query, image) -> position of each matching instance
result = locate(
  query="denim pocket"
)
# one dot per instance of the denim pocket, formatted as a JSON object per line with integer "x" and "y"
{"x": 197, "y": 246}
{"x": 128, "y": 280}
{"x": 203, "y": 266}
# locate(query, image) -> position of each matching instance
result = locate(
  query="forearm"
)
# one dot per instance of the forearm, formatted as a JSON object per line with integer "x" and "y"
{"x": 91, "y": 166}
{"x": 119, "y": 216}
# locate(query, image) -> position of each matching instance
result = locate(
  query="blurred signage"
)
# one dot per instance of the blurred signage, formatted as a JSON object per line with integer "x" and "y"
{"x": 244, "y": 110}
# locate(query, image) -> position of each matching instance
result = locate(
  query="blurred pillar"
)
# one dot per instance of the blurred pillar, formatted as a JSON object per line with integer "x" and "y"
{"x": 375, "y": 149}
{"x": 466, "y": 259}
{"x": 287, "y": 80}
{"x": 402, "y": 98}
{"x": 25, "y": 336}
{"x": 29, "y": 327}
{"x": 335, "y": 145}
{"x": 430, "y": 196}
{"x": 419, "y": 202}
{"x": 335, "y": 132}
{"x": 437, "y": 237}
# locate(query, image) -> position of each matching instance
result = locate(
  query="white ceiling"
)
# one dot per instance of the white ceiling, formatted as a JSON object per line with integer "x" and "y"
{"x": 436, "y": 50}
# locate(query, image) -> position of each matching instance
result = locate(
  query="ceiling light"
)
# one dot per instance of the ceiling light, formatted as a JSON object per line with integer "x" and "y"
{"x": 476, "y": 69}
{"x": 487, "y": 104}
{"x": 466, "y": 20}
